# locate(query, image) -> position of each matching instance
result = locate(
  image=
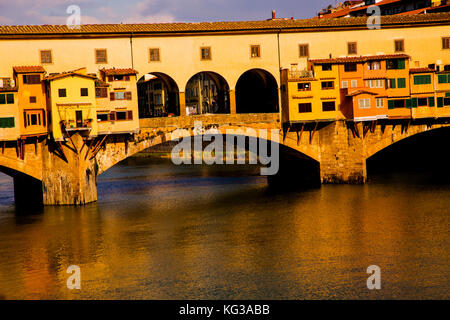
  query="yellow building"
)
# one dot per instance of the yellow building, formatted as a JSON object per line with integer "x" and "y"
{"x": 71, "y": 99}
{"x": 32, "y": 102}
{"x": 312, "y": 95}
{"x": 398, "y": 88}
{"x": 443, "y": 93}
{"x": 117, "y": 101}
{"x": 9, "y": 111}
{"x": 423, "y": 102}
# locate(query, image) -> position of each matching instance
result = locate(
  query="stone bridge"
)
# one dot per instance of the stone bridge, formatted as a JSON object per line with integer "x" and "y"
{"x": 66, "y": 174}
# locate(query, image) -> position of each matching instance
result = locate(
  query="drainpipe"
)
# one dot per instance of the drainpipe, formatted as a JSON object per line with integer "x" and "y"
{"x": 131, "y": 49}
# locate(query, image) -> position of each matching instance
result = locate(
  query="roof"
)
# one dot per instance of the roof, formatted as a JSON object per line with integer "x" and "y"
{"x": 421, "y": 70}
{"x": 231, "y": 26}
{"x": 29, "y": 69}
{"x": 119, "y": 72}
{"x": 381, "y": 3}
{"x": 68, "y": 74}
{"x": 358, "y": 92}
{"x": 360, "y": 58}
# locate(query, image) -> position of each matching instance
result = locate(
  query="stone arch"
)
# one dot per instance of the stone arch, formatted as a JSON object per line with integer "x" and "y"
{"x": 16, "y": 168}
{"x": 158, "y": 95}
{"x": 207, "y": 92}
{"x": 257, "y": 92}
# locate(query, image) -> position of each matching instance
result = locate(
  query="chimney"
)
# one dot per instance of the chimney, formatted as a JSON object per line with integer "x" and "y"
{"x": 273, "y": 15}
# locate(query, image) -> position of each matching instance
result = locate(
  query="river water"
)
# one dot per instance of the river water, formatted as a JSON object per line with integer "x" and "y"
{"x": 161, "y": 231}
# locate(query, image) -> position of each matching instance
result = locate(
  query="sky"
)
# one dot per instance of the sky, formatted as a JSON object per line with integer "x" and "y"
{"x": 23, "y": 12}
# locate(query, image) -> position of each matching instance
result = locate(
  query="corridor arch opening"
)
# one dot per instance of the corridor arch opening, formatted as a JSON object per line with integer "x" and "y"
{"x": 257, "y": 92}
{"x": 207, "y": 93}
{"x": 158, "y": 96}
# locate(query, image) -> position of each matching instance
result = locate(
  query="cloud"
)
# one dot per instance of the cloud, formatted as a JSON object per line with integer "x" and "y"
{"x": 5, "y": 20}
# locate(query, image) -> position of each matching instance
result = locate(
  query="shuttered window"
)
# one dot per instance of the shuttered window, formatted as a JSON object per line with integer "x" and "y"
{"x": 7, "y": 122}
{"x": 422, "y": 79}
{"x": 101, "y": 56}
{"x": 101, "y": 92}
{"x": 446, "y": 43}
{"x": 401, "y": 83}
{"x": 431, "y": 101}
{"x": 303, "y": 50}
{"x": 352, "y": 48}
{"x": 154, "y": 55}
{"x": 304, "y": 107}
{"x": 7, "y": 98}
{"x": 31, "y": 79}
{"x": 399, "y": 45}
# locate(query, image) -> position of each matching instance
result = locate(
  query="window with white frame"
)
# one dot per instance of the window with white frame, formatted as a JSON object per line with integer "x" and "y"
{"x": 380, "y": 102}
{"x": 374, "y": 83}
{"x": 364, "y": 103}
{"x": 354, "y": 83}
{"x": 374, "y": 65}
{"x": 344, "y": 84}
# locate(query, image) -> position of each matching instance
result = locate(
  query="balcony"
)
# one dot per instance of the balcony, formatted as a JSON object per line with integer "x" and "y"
{"x": 300, "y": 74}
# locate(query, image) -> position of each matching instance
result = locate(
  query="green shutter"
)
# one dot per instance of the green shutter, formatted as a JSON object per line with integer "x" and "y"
{"x": 417, "y": 80}
{"x": 440, "y": 102}
{"x": 414, "y": 102}
{"x": 2, "y": 99}
{"x": 409, "y": 103}
{"x": 7, "y": 123}
{"x": 427, "y": 79}
{"x": 448, "y": 78}
{"x": 391, "y": 104}
{"x": 401, "y": 64}
{"x": 10, "y": 98}
{"x": 431, "y": 101}
{"x": 447, "y": 94}
{"x": 392, "y": 83}
{"x": 442, "y": 78}
{"x": 401, "y": 83}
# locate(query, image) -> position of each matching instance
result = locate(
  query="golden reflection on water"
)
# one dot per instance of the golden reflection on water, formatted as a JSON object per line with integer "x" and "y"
{"x": 205, "y": 237}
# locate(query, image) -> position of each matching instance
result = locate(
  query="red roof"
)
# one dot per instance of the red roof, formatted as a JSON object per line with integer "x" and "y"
{"x": 68, "y": 74}
{"x": 381, "y": 3}
{"x": 360, "y": 58}
{"x": 29, "y": 69}
{"x": 421, "y": 70}
{"x": 359, "y": 92}
{"x": 119, "y": 72}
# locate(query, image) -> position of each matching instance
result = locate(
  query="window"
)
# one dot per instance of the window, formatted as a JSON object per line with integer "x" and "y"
{"x": 391, "y": 84}
{"x": 401, "y": 83}
{"x": 124, "y": 115}
{"x": 444, "y": 78}
{"x": 327, "y": 85}
{"x": 33, "y": 118}
{"x": 446, "y": 43}
{"x": 394, "y": 64}
{"x": 255, "y": 51}
{"x": 154, "y": 54}
{"x": 422, "y": 102}
{"x": 364, "y": 103}
{"x": 120, "y": 95}
{"x": 6, "y": 83}
{"x": 446, "y": 102}
{"x": 102, "y": 117}
{"x": 101, "y": 56}
{"x": 304, "y": 50}
{"x": 326, "y": 67}
{"x": 7, "y": 123}
{"x": 31, "y": 79}
{"x": 374, "y": 83}
{"x": 422, "y": 79}
{"x": 84, "y": 92}
{"x": 7, "y": 98}
{"x": 393, "y": 104}
{"x": 344, "y": 84}
{"x": 304, "y": 107}
{"x": 304, "y": 86}
{"x": 62, "y": 93}
{"x": 101, "y": 92}
{"x": 46, "y": 56}
{"x": 354, "y": 83}
{"x": 447, "y": 67}
{"x": 374, "y": 65}
{"x": 329, "y": 106}
{"x": 32, "y": 99}
{"x": 350, "y": 67}
{"x": 205, "y": 53}
{"x": 380, "y": 102}
{"x": 399, "y": 45}
{"x": 352, "y": 48}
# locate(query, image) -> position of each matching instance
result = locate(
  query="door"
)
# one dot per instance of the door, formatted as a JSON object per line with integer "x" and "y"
{"x": 79, "y": 118}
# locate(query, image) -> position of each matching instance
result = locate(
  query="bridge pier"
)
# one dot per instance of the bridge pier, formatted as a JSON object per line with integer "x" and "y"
{"x": 68, "y": 175}
{"x": 342, "y": 157}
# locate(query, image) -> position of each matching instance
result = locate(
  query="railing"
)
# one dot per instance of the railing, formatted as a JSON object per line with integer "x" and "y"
{"x": 299, "y": 74}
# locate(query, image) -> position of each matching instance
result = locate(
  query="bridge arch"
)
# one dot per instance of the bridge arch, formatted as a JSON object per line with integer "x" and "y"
{"x": 158, "y": 95}
{"x": 207, "y": 92}
{"x": 257, "y": 92}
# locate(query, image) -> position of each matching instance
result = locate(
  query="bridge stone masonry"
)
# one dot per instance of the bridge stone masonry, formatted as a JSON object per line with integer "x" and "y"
{"x": 66, "y": 173}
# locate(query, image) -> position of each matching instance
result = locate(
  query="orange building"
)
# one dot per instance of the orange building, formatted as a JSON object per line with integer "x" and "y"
{"x": 443, "y": 93}
{"x": 31, "y": 101}
{"x": 423, "y": 102}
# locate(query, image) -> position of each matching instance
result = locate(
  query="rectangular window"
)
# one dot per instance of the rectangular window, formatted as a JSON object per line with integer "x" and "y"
{"x": 446, "y": 102}
{"x": 399, "y": 103}
{"x": 399, "y": 45}
{"x": 401, "y": 83}
{"x": 255, "y": 51}
{"x": 329, "y": 106}
{"x": 101, "y": 56}
{"x": 380, "y": 102}
{"x": 374, "y": 65}
{"x": 364, "y": 103}
{"x": 121, "y": 115}
{"x": 304, "y": 86}
{"x": 350, "y": 67}
{"x": 2, "y": 99}
{"x": 84, "y": 92}
{"x": 32, "y": 99}
{"x": 120, "y": 95}
{"x": 442, "y": 78}
{"x": 101, "y": 117}
{"x": 304, "y": 50}
{"x": 7, "y": 98}
{"x": 101, "y": 92}
{"x": 422, "y": 79}
{"x": 327, "y": 67}
{"x": 354, "y": 83}
{"x": 352, "y": 48}
{"x": 391, "y": 84}
{"x": 62, "y": 93}
{"x": 344, "y": 84}
{"x": 205, "y": 53}
{"x": 31, "y": 79}
{"x": 327, "y": 85}
{"x": 46, "y": 56}
{"x": 304, "y": 107}
{"x": 395, "y": 64}
{"x": 431, "y": 101}
{"x": 7, "y": 123}
{"x": 422, "y": 102}
{"x": 446, "y": 43}
{"x": 154, "y": 55}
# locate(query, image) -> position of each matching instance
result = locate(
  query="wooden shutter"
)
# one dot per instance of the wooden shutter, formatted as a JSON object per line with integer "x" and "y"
{"x": 409, "y": 103}
{"x": 440, "y": 102}
{"x": 130, "y": 115}
{"x": 112, "y": 116}
{"x": 431, "y": 101}
{"x": 25, "y": 118}
{"x": 442, "y": 78}
{"x": 414, "y": 102}
{"x": 401, "y": 64}
{"x": 391, "y": 104}
{"x": 112, "y": 96}
{"x": 128, "y": 95}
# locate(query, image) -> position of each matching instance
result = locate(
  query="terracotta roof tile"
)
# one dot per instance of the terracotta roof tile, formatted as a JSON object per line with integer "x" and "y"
{"x": 359, "y": 92}
{"x": 118, "y": 72}
{"x": 421, "y": 70}
{"x": 360, "y": 58}
{"x": 29, "y": 69}
{"x": 232, "y": 26}
{"x": 68, "y": 74}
